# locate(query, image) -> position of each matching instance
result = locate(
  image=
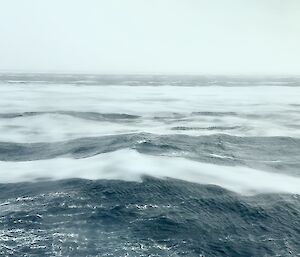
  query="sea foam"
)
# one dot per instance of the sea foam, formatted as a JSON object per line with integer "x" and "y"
{"x": 130, "y": 165}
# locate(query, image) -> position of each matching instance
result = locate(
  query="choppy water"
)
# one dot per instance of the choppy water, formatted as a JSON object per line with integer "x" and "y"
{"x": 149, "y": 166}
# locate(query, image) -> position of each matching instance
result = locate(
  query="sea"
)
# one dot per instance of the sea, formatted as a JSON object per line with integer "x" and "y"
{"x": 149, "y": 165}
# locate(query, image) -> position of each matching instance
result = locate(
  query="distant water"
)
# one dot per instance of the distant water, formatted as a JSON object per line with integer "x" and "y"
{"x": 149, "y": 166}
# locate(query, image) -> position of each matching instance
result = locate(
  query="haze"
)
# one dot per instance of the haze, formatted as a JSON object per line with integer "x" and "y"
{"x": 157, "y": 36}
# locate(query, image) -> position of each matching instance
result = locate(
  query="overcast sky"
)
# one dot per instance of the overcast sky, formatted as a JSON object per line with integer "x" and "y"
{"x": 151, "y": 36}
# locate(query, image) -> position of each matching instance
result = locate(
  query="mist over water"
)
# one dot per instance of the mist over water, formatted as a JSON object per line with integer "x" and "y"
{"x": 166, "y": 162}
{"x": 48, "y": 112}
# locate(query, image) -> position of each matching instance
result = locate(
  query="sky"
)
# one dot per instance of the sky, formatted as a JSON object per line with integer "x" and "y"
{"x": 224, "y": 37}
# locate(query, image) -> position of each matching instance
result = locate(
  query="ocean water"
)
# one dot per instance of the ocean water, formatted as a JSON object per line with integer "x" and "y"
{"x": 149, "y": 166}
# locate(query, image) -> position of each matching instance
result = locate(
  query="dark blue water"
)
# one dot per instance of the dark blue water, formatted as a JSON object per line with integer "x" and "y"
{"x": 152, "y": 218}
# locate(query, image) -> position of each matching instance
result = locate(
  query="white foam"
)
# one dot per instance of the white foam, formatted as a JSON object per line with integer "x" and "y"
{"x": 130, "y": 165}
{"x": 144, "y": 99}
{"x": 275, "y": 105}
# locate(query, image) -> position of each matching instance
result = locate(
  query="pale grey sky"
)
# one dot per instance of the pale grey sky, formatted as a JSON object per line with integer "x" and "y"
{"x": 151, "y": 36}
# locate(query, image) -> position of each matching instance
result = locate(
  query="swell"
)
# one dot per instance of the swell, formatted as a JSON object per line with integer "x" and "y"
{"x": 145, "y": 80}
{"x": 129, "y": 165}
{"x": 257, "y": 152}
{"x": 153, "y": 218}
{"x": 22, "y": 125}
{"x": 167, "y": 117}
{"x": 82, "y": 115}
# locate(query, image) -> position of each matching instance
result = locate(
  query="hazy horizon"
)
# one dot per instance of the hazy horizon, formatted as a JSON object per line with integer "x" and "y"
{"x": 188, "y": 37}
{"x": 95, "y": 73}
{"x": 256, "y": 76}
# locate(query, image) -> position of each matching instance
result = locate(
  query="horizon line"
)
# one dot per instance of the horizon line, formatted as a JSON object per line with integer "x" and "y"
{"x": 196, "y": 74}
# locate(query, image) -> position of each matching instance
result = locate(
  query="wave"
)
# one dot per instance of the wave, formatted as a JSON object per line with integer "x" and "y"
{"x": 143, "y": 167}
{"x": 53, "y": 126}
{"x": 206, "y": 128}
{"x": 154, "y": 218}
{"x": 130, "y": 165}
{"x": 253, "y": 147}
{"x": 163, "y": 116}
{"x": 242, "y": 164}
{"x": 145, "y": 80}
{"x": 35, "y": 113}
{"x": 83, "y": 115}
